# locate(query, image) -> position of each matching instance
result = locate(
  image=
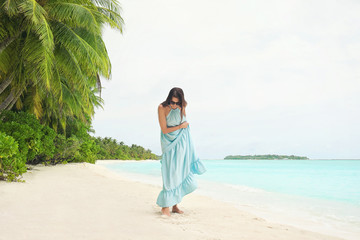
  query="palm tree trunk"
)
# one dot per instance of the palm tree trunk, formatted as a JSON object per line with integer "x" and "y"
{"x": 5, "y": 83}
{"x": 17, "y": 96}
{"x": 7, "y": 41}
{"x": 7, "y": 101}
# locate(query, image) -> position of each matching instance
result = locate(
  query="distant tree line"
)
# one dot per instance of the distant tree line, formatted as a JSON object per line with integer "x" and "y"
{"x": 265, "y": 157}
{"x": 110, "y": 148}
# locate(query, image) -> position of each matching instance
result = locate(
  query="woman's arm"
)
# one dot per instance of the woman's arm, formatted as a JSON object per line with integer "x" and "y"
{"x": 162, "y": 121}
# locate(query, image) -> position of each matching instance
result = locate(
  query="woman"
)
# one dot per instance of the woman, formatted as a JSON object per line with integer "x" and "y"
{"x": 179, "y": 162}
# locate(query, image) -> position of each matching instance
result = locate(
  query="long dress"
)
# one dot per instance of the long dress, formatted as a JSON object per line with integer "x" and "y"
{"x": 179, "y": 162}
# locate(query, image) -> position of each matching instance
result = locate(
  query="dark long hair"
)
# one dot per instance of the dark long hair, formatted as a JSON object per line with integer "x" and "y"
{"x": 179, "y": 94}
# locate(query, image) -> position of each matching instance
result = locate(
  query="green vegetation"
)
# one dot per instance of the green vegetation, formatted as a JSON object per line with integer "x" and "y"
{"x": 111, "y": 149}
{"x": 52, "y": 60}
{"x": 10, "y": 164}
{"x": 23, "y": 140}
{"x": 265, "y": 157}
{"x": 52, "y": 57}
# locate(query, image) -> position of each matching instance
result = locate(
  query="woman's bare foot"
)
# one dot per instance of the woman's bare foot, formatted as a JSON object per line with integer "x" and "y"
{"x": 175, "y": 209}
{"x": 165, "y": 211}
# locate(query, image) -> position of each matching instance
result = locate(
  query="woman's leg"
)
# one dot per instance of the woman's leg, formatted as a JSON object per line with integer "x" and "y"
{"x": 165, "y": 211}
{"x": 175, "y": 209}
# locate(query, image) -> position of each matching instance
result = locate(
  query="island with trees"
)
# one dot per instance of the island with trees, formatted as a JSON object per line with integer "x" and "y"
{"x": 266, "y": 157}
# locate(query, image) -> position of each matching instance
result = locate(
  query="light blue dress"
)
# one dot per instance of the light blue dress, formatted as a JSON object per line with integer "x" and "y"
{"x": 179, "y": 162}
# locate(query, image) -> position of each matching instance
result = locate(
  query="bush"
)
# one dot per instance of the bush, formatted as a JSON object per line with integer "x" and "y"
{"x": 36, "y": 142}
{"x": 11, "y": 165}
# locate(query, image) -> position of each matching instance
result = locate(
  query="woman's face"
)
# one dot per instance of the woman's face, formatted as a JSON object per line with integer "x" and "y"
{"x": 174, "y": 103}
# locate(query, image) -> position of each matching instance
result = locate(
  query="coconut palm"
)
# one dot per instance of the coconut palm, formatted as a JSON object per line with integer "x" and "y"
{"x": 52, "y": 56}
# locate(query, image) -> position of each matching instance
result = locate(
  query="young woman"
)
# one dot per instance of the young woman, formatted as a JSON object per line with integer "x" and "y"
{"x": 179, "y": 162}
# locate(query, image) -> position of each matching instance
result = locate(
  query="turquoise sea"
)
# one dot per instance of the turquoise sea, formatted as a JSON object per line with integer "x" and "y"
{"x": 318, "y": 195}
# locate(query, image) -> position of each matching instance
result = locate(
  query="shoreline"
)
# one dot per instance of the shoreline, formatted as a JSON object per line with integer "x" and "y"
{"x": 323, "y": 216}
{"x": 87, "y": 201}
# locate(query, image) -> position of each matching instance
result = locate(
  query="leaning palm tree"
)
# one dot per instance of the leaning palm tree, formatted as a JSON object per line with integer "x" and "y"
{"x": 52, "y": 56}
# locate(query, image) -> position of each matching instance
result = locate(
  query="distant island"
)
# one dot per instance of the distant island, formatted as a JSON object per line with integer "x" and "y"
{"x": 266, "y": 157}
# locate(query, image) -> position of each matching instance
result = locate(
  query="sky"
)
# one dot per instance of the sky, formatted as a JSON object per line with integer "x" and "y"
{"x": 260, "y": 77}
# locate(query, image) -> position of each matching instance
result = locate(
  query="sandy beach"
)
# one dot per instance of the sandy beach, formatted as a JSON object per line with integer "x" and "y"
{"x": 87, "y": 201}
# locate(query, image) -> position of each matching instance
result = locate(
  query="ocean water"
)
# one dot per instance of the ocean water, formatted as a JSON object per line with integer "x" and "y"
{"x": 317, "y": 195}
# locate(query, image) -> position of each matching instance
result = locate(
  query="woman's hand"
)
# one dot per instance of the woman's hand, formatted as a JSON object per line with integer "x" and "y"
{"x": 184, "y": 125}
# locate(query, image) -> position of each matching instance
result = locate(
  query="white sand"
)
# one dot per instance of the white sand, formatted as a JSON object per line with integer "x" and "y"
{"x": 86, "y": 201}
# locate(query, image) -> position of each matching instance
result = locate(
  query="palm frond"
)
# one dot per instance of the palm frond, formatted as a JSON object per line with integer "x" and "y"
{"x": 39, "y": 60}
{"x": 111, "y": 17}
{"x": 36, "y": 16}
{"x": 82, "y": 50}
{"x": 10, "y": 6}
{"x": 74, "y": 14}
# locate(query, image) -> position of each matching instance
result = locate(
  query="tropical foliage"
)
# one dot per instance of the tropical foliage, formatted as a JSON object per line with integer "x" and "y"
{"x": 52, "y": 60}
{"x": 10, "y": 164}
{"x": 23, "y": 140}
{"x": 52, "y": 57}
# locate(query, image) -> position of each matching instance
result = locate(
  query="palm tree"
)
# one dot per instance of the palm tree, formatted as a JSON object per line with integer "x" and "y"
{"x": 52, "y": 56}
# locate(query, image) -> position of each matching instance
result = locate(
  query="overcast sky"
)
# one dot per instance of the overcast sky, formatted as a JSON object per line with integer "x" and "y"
{"x": 260, "y": 77}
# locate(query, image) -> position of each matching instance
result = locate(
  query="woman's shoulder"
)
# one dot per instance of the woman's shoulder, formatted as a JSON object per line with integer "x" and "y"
{"x": 163, "y": 109}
